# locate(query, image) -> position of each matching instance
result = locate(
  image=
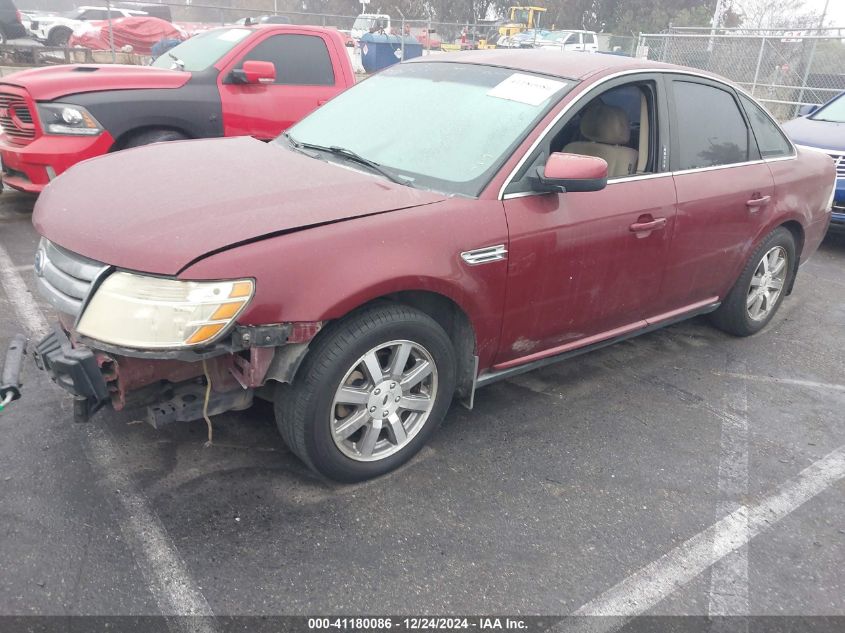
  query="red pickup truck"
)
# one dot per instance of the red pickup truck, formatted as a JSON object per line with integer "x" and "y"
{"x": 233, "y": 81}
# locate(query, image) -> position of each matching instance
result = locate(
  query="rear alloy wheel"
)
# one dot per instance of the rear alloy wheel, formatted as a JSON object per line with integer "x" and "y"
{"x": 767, "y": 284}
{"x": 369, "y": 394}
{"x": 761, "y": 287}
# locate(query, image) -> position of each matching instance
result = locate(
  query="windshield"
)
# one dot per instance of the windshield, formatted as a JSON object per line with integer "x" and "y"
{"x": 440, "y": 126}
{"x": 833, "y": 111}
{"x": 202, "y": 50}
{"x": 365, "y": 23}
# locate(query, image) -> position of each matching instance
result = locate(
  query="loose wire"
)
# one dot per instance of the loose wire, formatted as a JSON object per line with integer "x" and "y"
{"x": 205, "y": 403}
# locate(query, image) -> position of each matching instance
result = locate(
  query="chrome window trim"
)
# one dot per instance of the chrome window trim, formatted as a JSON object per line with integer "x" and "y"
{"x": 834, "y": 152}
{"x": 621, "y": 179}
{"x": 640, "y": 71}
{"x": 747, "y": 163}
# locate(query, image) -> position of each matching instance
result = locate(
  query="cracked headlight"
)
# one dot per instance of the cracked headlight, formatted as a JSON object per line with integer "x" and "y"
{"x": 144, "y": 312}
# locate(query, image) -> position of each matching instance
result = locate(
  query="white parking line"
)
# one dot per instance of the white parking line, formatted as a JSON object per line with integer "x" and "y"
{"x": 642, "y": 590}
{"x": 784, "y": 381}
{"x": 165, "y": 571}
{"x": 729, "y": 576}
{"x": 22, "y": 301}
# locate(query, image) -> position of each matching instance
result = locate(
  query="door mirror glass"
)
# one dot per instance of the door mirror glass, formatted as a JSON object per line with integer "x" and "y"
{"x": 572, "y": 172}
{"x": 255, "y": 72}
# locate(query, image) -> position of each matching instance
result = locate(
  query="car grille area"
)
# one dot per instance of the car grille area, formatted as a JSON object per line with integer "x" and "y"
{"x": 839, "y": 160}
{"x": 16, "y": 118}
{"x": 65, "y": 278}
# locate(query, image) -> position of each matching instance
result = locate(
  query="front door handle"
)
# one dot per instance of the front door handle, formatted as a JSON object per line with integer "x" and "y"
{"x": 651, "y": 225}
{"x": 756, "y": 203}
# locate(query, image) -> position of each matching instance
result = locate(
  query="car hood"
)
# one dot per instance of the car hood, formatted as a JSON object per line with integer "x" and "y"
{"x": 52, "y": 82}
{"x": 821, "y": 134}
{"x": 159, "y": 208}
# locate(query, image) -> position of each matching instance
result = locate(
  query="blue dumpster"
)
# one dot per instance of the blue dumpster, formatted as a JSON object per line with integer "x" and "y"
{"x": 379, "y": 50}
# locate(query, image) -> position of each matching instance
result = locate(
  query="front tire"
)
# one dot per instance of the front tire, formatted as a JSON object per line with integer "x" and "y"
{"x": 369, "y": 394}
{"x": 760, "y": 289}
{"x": 153, "y": 136}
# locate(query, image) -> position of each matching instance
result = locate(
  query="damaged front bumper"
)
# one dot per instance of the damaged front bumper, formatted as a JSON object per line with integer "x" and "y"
{"x": 172, "y": 385}
{"x": 74, "y": 370}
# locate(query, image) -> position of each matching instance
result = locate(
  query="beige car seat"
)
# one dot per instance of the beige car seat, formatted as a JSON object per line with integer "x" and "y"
{"x": 608, "y": 129}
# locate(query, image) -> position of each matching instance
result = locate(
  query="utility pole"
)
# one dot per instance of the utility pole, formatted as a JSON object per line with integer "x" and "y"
{"x": 812, "y": 56}
{"x": 111, "y": 32}
{"x": 714, "y": 24}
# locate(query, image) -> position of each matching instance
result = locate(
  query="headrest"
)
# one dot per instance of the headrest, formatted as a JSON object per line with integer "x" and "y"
{"x": 606, "y": 124}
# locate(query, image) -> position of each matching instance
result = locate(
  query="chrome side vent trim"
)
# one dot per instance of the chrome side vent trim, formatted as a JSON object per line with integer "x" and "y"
{"x": 485, "y": 255}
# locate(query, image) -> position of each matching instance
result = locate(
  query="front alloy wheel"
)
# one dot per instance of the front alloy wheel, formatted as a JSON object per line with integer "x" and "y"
{"x": 369, "y": 394}
{"x": 384, "y": 400}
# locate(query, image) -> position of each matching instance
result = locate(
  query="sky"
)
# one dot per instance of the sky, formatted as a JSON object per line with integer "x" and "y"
{"x": 835, "y": 11}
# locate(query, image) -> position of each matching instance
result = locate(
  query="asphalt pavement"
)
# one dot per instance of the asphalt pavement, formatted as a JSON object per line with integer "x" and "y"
{"x": 684, "y": 472}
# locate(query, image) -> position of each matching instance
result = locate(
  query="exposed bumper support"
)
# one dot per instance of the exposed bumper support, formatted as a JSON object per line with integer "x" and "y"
{"x": 73, "y": 369}
{"x": 172, "y": 388}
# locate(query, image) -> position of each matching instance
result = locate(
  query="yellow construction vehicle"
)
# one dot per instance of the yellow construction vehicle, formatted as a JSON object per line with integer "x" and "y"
{"x": 522, "y": 18}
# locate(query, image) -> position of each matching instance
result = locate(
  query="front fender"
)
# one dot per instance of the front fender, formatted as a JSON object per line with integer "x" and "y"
{"x": 194, "y": 108}
{"x": 325, "y": 272}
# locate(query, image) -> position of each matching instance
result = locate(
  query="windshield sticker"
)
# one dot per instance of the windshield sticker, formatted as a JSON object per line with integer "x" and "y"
{"x": 233, "y": 35}
{"x": 527, "y": 89}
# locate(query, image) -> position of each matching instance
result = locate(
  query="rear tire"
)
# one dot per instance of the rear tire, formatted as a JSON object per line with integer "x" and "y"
{"x": 761, "y": 287}
{"x": 153, "y": 136}
{"x": 358, "y": 407}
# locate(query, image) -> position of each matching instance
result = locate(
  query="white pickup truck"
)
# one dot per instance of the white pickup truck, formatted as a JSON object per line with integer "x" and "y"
{"x": 56, "y": 29}
{"x": 570, "y": 41}
{"x": 366, "y": 22}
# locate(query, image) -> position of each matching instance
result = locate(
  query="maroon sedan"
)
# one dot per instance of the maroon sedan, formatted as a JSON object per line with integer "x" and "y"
{"x": 442, "y": 225}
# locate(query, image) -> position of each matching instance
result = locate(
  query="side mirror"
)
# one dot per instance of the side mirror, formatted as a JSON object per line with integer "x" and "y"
{"x": 807, "y": 110}
{"x": 255, "y": 72}
{"x": 572, "y": 172}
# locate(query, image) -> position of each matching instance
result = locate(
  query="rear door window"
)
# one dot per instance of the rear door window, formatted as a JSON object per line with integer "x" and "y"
{"x": 770, "y": 139}
{"x": 301, "y": 60}
{"x": 711, "y": 130}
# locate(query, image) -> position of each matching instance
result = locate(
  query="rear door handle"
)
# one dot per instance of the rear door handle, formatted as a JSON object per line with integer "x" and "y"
{"x": 756, "y": 203}
{"x": 652, "y": 225}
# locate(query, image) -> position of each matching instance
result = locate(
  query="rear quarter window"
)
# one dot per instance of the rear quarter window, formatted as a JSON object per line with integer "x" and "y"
{"x": 770, "y": 139}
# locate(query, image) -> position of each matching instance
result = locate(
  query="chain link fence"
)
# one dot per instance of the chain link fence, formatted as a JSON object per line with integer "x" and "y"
{"x": 783, "y": 69}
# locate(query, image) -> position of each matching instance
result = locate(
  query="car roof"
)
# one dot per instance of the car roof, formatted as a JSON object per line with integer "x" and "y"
{"x": 567, "y": 65}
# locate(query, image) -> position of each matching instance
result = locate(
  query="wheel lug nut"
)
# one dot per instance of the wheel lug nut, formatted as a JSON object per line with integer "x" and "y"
{"x": 397, "y": 399}
{"x": 385, "y": 413}
{"x": 392, "y": 385}
{"x": 372, "y": 409}
{"x": 377, "y": 391}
